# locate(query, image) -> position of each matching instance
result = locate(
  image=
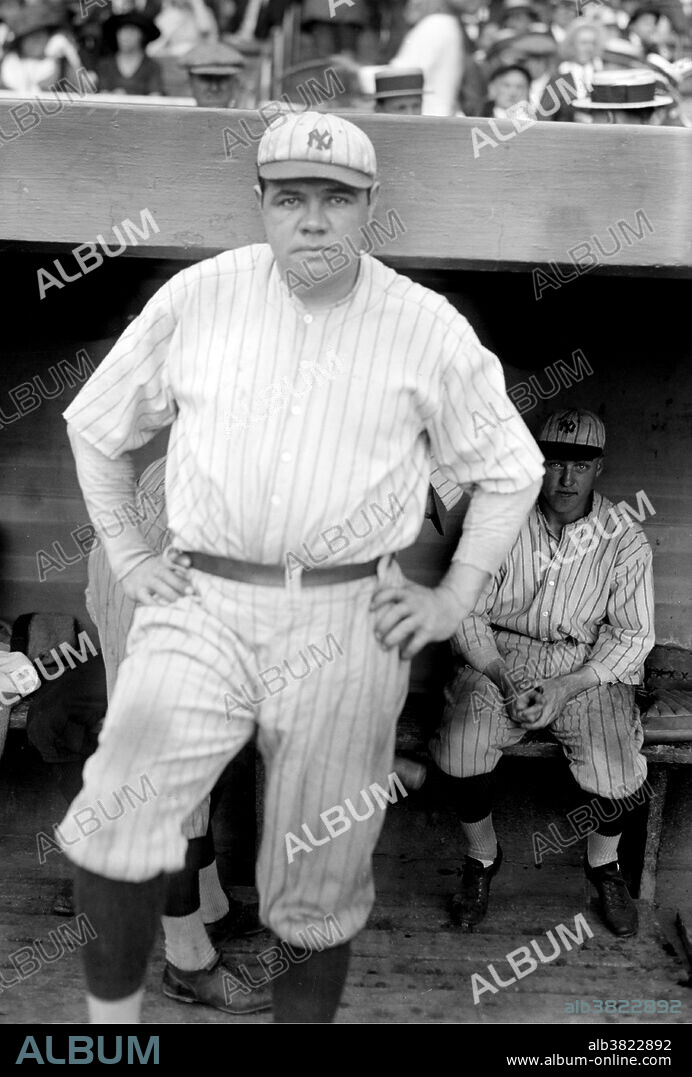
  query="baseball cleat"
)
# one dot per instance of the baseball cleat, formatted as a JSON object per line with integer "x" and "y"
{"x": 618, "y": 910}
{"x": 469, "y": 907}
{"x": 208, "y": 987}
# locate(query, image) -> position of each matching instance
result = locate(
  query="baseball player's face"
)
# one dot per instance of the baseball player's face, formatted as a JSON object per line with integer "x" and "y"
{"x": 304, "y": 217}
{"x": 567, "y": 486}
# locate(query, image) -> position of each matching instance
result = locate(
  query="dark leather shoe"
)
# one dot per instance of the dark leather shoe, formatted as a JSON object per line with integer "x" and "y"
{"x": 469, "y": 907}
{"x": 240, "y": 920}
{"x": 209, "y": 987}
{"x": 617, "y": 908}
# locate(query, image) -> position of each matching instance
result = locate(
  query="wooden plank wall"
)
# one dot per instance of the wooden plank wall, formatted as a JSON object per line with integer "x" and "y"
{"x": 526, "y": 201}
{"x": 641, "y": 385}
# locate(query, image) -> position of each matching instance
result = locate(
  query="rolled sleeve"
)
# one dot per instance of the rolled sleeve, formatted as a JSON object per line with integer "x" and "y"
{"x": 475, "y": 639}
{"x": 477, "y": 435}
{"x": 128, "y": 399}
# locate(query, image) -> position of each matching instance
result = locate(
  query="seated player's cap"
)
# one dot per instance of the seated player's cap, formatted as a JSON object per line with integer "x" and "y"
{"x": 575, "y": 434}
{"x": 317, "y": 145}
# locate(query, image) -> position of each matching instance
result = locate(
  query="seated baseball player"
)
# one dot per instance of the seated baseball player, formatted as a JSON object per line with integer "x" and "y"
{"x": 557, "y": 641}
{"x": 199, "y": 916}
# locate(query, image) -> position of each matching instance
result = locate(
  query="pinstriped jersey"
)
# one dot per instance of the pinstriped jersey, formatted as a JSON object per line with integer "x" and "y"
{"x": 588, "y": 593}
{"x": 288, "y": 424}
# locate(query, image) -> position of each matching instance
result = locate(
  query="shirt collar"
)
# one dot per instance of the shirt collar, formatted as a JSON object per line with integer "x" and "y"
{"x": 363, "y": 294}
{"x": 596, "y": 505}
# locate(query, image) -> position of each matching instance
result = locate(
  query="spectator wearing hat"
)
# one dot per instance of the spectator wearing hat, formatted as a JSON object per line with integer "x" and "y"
{"x": 557, "y": 641}
{"x": 39, "y": 53}
{"x": 129, "y": 70}
{"x": 650, "y": 31}
{"x": 537, "y": 52}
{"x": 519, "y": 16}
{"x": 626, "y": 96}
{"x": 581, "y": 57}
{"x": 400, "y": 92}
{"x": 510, "y": 85}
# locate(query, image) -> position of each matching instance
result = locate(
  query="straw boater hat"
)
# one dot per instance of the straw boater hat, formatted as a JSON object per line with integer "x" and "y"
{"x": 399, "y": 82}
{"x": 625, "y": 89}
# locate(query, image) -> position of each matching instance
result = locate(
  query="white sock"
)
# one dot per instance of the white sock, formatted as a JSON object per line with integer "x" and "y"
{"x": 213, "y": 902}
{"x": 120, "y": 1011}
{"x": 481, "y": 839}
{"x": 187, "y": 943}
{"x": 602, "y": 849}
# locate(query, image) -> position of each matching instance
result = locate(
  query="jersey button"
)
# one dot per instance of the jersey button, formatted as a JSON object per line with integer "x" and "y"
{"x": 295, "y": 410}
{"x": 286, "y": 457}
{"x": 275, "y": 499}
{"x": 551, "y": 583}
{"x": 307, "y": 319}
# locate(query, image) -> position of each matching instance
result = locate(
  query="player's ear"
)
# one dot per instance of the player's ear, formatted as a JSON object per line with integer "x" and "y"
{"x": 373, "y": 196}
{"x": 258, "y": 194}
{"x": 599, "y": 466}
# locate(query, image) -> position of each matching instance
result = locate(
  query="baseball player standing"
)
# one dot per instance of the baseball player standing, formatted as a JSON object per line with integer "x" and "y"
{"x": 225, "y": 336}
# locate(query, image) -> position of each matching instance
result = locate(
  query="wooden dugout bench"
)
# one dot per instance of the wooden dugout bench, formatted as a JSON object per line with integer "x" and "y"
{"x": 474, "y": 228}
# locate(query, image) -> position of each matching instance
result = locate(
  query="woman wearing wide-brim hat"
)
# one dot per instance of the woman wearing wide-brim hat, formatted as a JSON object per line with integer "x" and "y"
{"x": 129, "y": 70}
{"x": 39, "y": 54}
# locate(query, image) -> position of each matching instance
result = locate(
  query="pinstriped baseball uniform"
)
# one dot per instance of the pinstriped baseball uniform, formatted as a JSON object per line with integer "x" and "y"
{"x": 556, "y": 605}
{"x": 111, "y": 609}
{"x": 315, "y": 450}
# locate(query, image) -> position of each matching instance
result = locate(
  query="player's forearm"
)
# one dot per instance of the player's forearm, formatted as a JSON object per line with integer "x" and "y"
{"x": 491, "y": 526}
{"x": 571, "y": 684}
{"x": 108, "y": 487}
{"x": 464, "y": 583}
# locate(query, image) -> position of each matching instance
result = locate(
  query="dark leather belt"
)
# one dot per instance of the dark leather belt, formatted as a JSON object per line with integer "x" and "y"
{"x": 274, "y": 575}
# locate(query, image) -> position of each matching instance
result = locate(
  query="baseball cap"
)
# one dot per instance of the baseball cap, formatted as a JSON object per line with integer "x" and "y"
{"x": 572, "y": 434}
{"x": 320, "y": 145}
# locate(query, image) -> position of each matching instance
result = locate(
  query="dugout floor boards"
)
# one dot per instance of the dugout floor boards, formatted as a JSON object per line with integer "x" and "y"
{"x": 409, "y": 965}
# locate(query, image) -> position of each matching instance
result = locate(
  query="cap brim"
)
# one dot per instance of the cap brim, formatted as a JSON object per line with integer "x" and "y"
{"x": 585, "y": 104}
{"x": 564, "y": 450}
{"x": 283, "y": 170}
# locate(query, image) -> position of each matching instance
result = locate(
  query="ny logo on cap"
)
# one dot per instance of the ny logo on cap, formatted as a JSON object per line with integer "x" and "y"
{"x": 567, "y": 426}
{"x": 320, "y": 140}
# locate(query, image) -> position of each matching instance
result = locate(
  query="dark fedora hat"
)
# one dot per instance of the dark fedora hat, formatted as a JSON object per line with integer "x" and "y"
{"x": 150, "y": 30}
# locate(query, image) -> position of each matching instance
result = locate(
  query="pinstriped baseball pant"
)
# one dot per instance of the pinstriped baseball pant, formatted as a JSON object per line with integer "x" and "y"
{"x": 599, "y": 730}
{"x": 324, "y": 736}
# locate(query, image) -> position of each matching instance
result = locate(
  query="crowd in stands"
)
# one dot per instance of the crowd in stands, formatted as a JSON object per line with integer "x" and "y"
{"x": 476, "y": 58}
